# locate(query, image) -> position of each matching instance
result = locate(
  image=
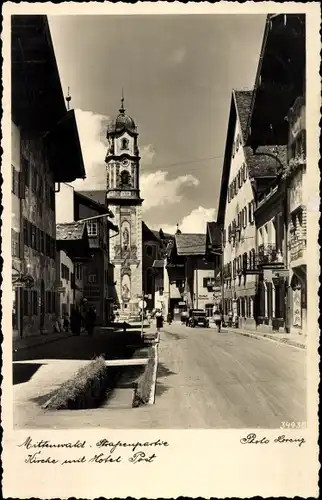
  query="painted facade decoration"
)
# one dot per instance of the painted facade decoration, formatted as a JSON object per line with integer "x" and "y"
{"x": 123, "y": 198}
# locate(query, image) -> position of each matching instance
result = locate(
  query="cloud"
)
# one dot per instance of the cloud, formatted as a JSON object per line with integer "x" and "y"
{"x": 158, "y": 190}
{"x": 147, "y": 154}
{"x": 92, "y": 134}
{"x": 195, "y": 222}
{"x": 177, "y": 56}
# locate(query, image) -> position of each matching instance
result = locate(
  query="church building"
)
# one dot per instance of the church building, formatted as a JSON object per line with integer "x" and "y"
{"x": 123, "y": 199}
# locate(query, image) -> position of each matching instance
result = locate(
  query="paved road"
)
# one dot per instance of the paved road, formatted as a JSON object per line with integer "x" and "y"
{"x": 229, "y": 381}
{"x": 205, "y": 380}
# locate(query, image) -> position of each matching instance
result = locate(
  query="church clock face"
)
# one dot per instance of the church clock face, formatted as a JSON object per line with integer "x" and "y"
{"x": 125, "y": 163}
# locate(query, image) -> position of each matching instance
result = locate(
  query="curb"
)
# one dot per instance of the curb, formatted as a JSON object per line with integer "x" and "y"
{"x": 272, "y": 338}
{"x": 154, "y": 378}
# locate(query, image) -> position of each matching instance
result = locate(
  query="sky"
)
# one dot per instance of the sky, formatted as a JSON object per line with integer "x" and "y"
{"x": 177, "y": 72}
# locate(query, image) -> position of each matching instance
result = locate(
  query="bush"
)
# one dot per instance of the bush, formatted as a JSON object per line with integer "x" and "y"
{"x": 144, "y": 385}
{"x": 84, "y": 390}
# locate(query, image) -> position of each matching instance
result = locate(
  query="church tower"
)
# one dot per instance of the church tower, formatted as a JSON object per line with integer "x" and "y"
{"x": 123, "y": 198}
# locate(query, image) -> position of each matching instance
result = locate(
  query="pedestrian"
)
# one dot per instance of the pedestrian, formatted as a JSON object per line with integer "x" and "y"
{"x": 75, "y": 321}
{"x": 217, "y": 319}
{"x": 66, "y": 322}
{"x": 90, "y": 320}
{"x": 159, "y": 319}
{"x": 230, "y": 318}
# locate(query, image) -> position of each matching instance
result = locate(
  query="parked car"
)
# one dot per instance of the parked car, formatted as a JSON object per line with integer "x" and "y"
{"x": 197, "y": 317}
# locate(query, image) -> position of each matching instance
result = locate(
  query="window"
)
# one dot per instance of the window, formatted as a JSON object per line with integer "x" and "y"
{"x": 14, "y": 181}
{"x": 65, "y": 272}
{"x": 251, "y": 212}
{"x": 124, "y": 144}
{"x": 245, "y": 216}
{"x": 125, "y": 179}
{"x": 92, "y": 228}
{"x": 78, "y": 271}
{"x": 149, "y": 250}
{"x": 15, "y": 243}
{"x": 33, "y": 236}
{"x": 92, "y": 278}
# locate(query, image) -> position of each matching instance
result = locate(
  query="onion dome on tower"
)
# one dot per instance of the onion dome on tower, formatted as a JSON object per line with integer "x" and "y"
{"x": 123, "y": 122}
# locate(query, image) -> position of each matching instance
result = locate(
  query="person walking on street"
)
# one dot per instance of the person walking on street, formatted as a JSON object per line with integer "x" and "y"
{"x": 159, "y": 320}
{"x": 75, "y": 321}
{"x": 217, "y": 319}
{"x": 90, "y": 321}
{"x": 66, "y": 322}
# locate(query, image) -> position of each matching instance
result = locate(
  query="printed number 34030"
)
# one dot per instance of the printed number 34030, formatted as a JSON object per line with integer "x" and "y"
{"x": 293, "y": 425}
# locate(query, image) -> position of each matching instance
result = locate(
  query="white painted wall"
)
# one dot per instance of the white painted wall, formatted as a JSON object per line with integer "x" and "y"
{"x": 65, "y": 204}
{"x": 67, "y": 296}
{"x": 236, "y": 204}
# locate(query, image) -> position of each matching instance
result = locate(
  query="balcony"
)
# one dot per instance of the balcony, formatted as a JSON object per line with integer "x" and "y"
{"x": 296, "y": 163}
{"x": 269, "y": 255}
{"x": 297, "y": 249}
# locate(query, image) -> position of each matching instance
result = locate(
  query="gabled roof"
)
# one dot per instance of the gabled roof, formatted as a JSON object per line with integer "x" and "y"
{"x": 70, "y": 231}
{"x": 243, "y": 100}
{"x": 148, "y": 234}
{"x": 190, "y": 244}
{"x": 239, "y": 108}
{"x": 213, "y": 234}
{"x": 90, "y": 198}
{"x": 72, "y": 238}
{"x": 97, "y": 196}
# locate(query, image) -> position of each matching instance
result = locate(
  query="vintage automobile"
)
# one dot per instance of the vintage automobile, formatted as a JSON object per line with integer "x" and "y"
{"x": 197, "y": 317}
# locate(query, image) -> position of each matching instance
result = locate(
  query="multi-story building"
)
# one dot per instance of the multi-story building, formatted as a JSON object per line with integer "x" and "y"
{"x": 188, "y": 276}
{"x": 96, "y": 272}
{"x": 45, "y": 151}
{"x": 73, "y": 252}
{"x": 295, "y": 178}
{"x": 236, "y": 214}
{"x": 276, "y": 124}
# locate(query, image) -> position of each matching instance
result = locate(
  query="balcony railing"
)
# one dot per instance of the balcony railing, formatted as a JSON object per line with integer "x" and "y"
{"x": 297, "y": 248}
{"x": 268, "y": 254}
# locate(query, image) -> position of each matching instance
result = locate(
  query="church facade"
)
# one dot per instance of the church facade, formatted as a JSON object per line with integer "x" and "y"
{"x": 123, "y": 198}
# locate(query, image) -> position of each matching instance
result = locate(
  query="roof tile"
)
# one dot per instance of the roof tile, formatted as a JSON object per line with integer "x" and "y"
{"x": 191, "y": 244}
{"x": 70, "y": 231}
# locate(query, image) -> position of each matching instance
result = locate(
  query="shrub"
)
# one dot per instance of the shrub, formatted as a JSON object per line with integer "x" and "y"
{"x": 144, "y": 385}
{"x": 83, "y": 390}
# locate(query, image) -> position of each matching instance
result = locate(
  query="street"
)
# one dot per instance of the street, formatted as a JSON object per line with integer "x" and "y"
{"x": 205, "y": 380}
{"x": 224, "y": 380}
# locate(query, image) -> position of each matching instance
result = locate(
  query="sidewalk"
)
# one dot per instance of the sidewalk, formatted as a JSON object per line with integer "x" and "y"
{"x": 291, "y": 339}
{"x": 20, "y": 344}
{"x": 37, "y": 340}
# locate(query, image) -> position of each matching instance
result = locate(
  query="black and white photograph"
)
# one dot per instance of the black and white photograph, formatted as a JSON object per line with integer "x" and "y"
{"x": 160, "y": 238}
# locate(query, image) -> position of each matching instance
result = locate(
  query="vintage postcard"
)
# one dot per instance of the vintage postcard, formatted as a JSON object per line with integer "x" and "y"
{"x": 160, "y": 208}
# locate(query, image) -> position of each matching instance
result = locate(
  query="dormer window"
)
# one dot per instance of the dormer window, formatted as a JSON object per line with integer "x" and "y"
{"x": 125, "y": 144}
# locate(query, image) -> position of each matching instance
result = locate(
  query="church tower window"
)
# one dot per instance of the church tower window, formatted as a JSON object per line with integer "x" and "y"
{"x": 124, "y": 144}
{"x": 125, "y": 179}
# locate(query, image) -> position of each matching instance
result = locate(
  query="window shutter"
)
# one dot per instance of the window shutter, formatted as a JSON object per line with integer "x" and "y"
{"x": 22, "y": 185}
